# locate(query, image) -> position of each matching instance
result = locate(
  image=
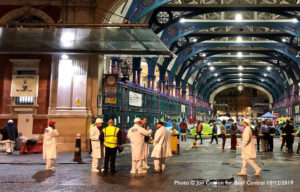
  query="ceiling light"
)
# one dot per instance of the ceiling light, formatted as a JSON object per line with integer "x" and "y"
{"x": 262, "y": 80}
{"x": 240, "y": 67}
{"x": 240, "y": 79}
{"x": 203, "y": 55}
{"x": 239, "y": 54}
{"x": 238, "y": 17}
{"x": 216, "y": 74}
{"x": 209, "y": 63}
{"x": 239, "y": 39}
{"x": 65, "y": 56}
{"x": 194, "y": 40}
{"x": 283, "y": 40}
{"x": 240, "y": 74}
{"x": 220, "y": 80}
{"x": 265, "y": 74}
{"x": 212, "y": 68}
{"x": 299, "y": 84}
{"x": 182, "y": 20}
{"x": 295, "y": 20}
{"x": 269, "y": 68}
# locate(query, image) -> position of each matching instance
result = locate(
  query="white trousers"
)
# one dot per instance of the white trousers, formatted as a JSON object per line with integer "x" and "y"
{"x": 97, "y": 163}
{"x": 136, "y": 165}
{"x": 160, "y": 164}
{"x": 49, "y": 163}
{"x": 9, "y": 146}
{"x": 251, "y": 163}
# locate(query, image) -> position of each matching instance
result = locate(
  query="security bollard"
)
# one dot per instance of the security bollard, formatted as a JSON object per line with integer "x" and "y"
{"x": 77, "y": 154}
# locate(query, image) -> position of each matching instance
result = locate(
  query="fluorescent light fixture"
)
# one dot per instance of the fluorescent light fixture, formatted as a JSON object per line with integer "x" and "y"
{"x": 212, "y": 68}
{"x": 269, "y": 68}
{"x": 295, "y": 20}
{"x": 240, "y": 67}
{"x": 239, "y": 54}
{"x": 240, "y": 74}
{"x": 265, "y": 74}
{"x": 64, "y": 56}
{"x": 182, "y": 20}
{"x": 239, "y": 39}
{"x": 238, "y": 17}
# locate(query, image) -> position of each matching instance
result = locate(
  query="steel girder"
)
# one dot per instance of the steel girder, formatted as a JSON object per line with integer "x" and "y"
{"x": 165, "y": 16}
{"x": 270, "y": 89}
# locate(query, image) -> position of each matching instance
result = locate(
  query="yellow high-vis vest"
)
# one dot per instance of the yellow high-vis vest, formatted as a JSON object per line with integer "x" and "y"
{"x": 110, "y": 136}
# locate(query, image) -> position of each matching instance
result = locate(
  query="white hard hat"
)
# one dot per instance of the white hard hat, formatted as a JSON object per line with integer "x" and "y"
{"x": 10, "y": 121}
{"x": 247, "y": 121}
{"x": 99, "y": 120}
{"x": 137, "y": 119}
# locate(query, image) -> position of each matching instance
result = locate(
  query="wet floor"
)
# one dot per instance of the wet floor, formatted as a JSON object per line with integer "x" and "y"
{"x": 203, "y": 169}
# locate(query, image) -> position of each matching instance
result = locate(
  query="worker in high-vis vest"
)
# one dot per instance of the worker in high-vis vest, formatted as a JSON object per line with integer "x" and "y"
{"x": 112, "y": 138}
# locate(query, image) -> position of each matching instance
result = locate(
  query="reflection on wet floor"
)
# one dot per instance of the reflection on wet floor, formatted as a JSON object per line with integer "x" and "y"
{"x": 41, "y": 176}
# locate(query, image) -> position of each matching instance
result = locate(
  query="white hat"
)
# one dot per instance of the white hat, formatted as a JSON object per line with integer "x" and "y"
{"x": 137, "y": 119}
{"x": 99, "y": 120}
{"x": 247, "y": 121}
{"x": 10, "y": 121}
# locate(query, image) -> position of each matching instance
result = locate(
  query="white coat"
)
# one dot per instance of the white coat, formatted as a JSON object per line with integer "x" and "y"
{"x": 248, "y": 149}
{"x": 49, "y": 143}
{"x": 98, "y": 148}
{"x": 136, "y": 134}
{"x": 161, "y": 143}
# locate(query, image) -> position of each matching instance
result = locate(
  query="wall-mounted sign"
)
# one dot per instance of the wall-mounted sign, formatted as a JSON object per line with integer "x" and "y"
{"x": 111, "y": 88}
{"x": 24, "y": 85}
{"x": 297, "y": 109}
{"x": 135, "y": 99}
{"x": 182, "y": 108}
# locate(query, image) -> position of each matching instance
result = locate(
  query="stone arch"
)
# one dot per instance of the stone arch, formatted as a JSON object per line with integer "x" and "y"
{"x": 222, "y": 88}
{"x": 21, "y": 11}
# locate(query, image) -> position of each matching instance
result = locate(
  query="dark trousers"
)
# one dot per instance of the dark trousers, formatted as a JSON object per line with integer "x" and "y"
{"x": 257, "y": 142}
{"x": 214, "y": 137}
{"x": 200, "y": 136}
{"x": 110, "y": 156}
{"x": 224, "y": 141}
{"x": 90, "y": 146}
{"x": 289, "y": 143}
{"x": 183, "y": 137}
{"x": 270, "y": 143}
{"x": 283, "y": 141}
{"x": 233, "y": 142}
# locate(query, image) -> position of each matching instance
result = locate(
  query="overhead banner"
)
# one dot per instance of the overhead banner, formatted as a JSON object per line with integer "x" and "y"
{"x": 24, "y": 85}
{"x": 182, "y": 108}
{"x": 135, "y": 99}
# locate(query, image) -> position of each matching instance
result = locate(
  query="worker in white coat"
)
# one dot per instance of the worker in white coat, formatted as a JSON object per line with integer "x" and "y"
{"x": 161, "y": 148}
{"x": 248, "y": 150}
{"x": 137, "y": 134}
{"x": 146, "y": 145}
{"x": 97, "y": 145}
{"x": 50, "y": 144}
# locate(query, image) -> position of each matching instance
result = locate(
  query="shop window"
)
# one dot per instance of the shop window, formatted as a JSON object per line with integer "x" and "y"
{"x": 72, "y": 83}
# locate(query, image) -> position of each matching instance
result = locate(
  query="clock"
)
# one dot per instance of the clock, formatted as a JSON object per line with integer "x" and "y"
{"x": 240, "y": 87}
{"x": 111, "y": 80}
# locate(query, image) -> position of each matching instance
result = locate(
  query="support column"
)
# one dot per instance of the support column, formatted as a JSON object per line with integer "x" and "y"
{"x": 153, "y": 82}
{"x": 139, "y": 71}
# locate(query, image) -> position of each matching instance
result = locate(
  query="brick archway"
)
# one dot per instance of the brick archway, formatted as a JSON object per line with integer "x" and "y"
{"x": 24, "y": 10}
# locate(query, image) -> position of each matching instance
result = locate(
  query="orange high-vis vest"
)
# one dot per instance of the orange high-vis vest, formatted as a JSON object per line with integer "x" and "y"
{"x": 199, "y": 128}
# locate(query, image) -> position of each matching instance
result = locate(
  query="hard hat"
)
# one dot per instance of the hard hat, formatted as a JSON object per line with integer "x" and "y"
{"x": 51, "y": 123}
{"x": 10, "y": 121}
{"x": 137, "y": 119}
{"x": 99, "y": 120}
{"x": 247, "y": 121}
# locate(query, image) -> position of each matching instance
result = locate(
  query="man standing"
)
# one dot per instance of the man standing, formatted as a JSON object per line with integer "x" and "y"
{"x": 271, "y": 136}
{"x": 137, "y": 134}
{"x": 256, "y": 133}
{"x": 214, "y": 131}
{"x": 223, "y": 134}
{"x": 183, "y": 127}
{"x": 97, "y": 145}
{"x": 199, "y": 131}
{"x": 10, "y": 134}
{"x": 49, "y": 145}
{"x": 112, "y": 138}
{"x": 146, "y": 144}
{"x": 89, "y": 132}
{"x": 289, "y": 130}
{"x": 264, "y": 129}
{"x": 233, "y": 129}
{"x": 162, "y": 148}
{"x": 248, "y": 150}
